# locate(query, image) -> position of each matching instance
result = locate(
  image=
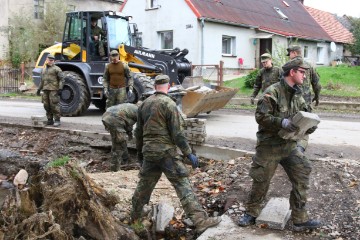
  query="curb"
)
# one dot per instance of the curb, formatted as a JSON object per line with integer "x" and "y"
{"x": 326, "y": 105}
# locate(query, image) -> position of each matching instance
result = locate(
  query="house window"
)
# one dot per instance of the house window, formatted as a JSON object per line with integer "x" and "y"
{"x": 306, "y": 51}
{"x": 228, "y": 45}
{"x": 152, "y": 4}
{"x": 281, "y": 14}
{"x": 166, "y": 40}
{"x": 39, "y": 9}
{"x": 320, "y": 55}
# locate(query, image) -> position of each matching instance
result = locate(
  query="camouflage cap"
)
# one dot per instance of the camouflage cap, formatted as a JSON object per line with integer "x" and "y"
{"x": 265, "y": 57}
{"x": 295, "y": 64}
{"x": 161, "y": 79}
{"x": 114, "y": 53}
{"x": 293, "y": 48}
{"x": 50, "y": 56}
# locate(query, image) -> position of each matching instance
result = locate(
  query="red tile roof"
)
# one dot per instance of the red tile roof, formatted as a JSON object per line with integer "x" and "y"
{"x": 262, "y": 15}
{"x": 331, "y": 25}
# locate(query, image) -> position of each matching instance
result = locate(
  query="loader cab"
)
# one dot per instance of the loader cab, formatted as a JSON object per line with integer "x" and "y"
{"x": 90, "y": 36}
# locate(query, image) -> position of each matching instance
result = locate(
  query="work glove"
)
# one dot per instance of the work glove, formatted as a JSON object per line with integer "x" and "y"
{"x": 311, "y": 130}
{"x": 130, "y": 135}
{"x": 59, "y": 92}
{"x": 316, "y": 100}
{"x": 194, "y": 160}
{"x": 288, "y": 125}
{"x": 38, "y": 92}
{"x": 252, "y": 101}
{"x": 106, "y": 93}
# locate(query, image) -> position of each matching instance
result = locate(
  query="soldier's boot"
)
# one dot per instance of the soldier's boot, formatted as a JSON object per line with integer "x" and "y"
{"x": 50, "y": 122}
{"x": 115, "y": 163}
{"x": 203, "y": 223}
{"x": 57, "y": 123}
{"x": 310, "y": 224}
{"x": 246, "y": 220}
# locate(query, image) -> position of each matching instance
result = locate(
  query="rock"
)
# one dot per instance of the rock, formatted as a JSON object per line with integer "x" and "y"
{"x": 165, "y": 213}
{"x": 21, "y": 178}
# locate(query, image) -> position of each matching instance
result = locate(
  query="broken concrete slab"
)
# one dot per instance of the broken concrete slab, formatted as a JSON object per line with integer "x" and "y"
{"x": 228, "y": 230}
{"x": 165, "y": 213}
{"x": 303, "y": 120}
{"x": 275, "y": 214}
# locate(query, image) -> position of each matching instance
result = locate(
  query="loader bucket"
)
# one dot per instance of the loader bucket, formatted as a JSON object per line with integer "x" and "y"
{"x": 194, "y": 103}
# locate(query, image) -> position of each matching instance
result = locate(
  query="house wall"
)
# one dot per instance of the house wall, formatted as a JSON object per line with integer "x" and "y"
{"x": 4, "y": 22}
{"x": 186, "y": 28}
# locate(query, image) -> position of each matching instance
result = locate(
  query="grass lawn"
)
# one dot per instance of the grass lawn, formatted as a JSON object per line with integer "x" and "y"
{"x": 342, "y": 81}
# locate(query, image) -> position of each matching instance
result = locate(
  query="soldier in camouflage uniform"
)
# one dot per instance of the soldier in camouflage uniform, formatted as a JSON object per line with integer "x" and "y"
{"x": 267, "y": 76}
{"x": 115, "y": 81}
{"x": 96, "y": 45}
{"x": 52, "y": 82}
{"x": 158, "y": 133}
{"x": 311, "y": 78}
{"x": 273, "y": 113}
{"x": 119, "y": 121}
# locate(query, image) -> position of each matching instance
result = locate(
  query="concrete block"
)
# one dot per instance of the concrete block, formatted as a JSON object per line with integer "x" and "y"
{"x": 38, "y": 118}
{"x": 275, "y": 214}
{"x": 165, "y": 213}
{"x": 304, "y": 120}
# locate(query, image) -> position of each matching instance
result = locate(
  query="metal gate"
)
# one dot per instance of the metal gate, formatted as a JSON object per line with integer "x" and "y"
{"x": 9, "y": 80}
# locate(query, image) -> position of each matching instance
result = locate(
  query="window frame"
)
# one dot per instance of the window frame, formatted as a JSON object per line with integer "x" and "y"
{"x": 39, "y": 9}
{"x": 152, "y": 4}
{"x": 306, "y": 52}
{"x": 162, "y": 44}
{"x": 232, "y": 45}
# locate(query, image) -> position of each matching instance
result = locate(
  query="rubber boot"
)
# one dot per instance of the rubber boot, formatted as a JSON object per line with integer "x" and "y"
{"x": 246, "y": 220}
{"x": 57, "y": 123}
{"x": 50, "y": 122}
{"x": 310, "y": 224}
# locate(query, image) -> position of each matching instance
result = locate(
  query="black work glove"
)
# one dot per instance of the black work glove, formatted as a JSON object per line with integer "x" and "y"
{"x": 38, "y": 92}
{"x": 316, "y": 100}
{"x": 288, "y": 125}
{"x": 311, "y": 130}
{"x": 194, "y": 160}
{"x": 59, "y": 92}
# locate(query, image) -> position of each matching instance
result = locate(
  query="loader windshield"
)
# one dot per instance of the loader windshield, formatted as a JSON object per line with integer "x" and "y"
{"x": 118, "y": 31}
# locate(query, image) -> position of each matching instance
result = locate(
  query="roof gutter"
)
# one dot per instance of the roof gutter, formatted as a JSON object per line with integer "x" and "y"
{"x": 228, "y": 22}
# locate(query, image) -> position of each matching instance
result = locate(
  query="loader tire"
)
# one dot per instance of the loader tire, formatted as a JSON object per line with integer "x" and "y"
{"x": 142, "y": 84}
{"x": 75, "y": 96}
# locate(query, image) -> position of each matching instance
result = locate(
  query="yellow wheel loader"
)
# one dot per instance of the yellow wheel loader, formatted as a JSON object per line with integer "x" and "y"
{"x": 82, "y": 58}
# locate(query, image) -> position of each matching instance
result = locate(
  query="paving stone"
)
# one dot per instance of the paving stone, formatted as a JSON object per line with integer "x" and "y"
{"x": 165, "y": 213}
{"x": 275, "y": 214}
{"x": 304, "y": 120}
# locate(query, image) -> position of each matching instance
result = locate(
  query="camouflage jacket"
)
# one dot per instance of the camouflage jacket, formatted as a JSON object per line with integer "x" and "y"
{"x": 129, "y": 80}
{"x": 124, "y": 116}
{"x": 52, "y": 78}
{"x": 311, "y": 79}
{"x": 96, "y": 31}
{"x": 279, "y": 101}
{"x": 265, "y": 78}
{"x": 159, "y": 127}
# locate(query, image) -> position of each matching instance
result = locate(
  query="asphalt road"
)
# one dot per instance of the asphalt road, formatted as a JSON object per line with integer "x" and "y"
{"x": 335, "y": 131}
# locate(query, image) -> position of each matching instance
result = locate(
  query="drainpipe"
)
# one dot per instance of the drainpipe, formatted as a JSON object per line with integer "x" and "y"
{"x": 202, "y": 40}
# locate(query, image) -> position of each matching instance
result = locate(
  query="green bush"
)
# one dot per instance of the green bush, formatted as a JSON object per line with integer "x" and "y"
{"x": 250, "y": 78}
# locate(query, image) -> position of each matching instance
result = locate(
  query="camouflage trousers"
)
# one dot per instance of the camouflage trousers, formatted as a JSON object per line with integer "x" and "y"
{"x": 297, "y": 168}
{"x": 51, "y": 100}
{"x": 177, "y": 174}
{"x": 116, "y": 96}
{"x": 119, "y": 151}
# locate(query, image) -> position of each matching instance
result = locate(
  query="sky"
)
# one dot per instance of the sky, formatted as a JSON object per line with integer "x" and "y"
{"x": 340, "y": 7}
